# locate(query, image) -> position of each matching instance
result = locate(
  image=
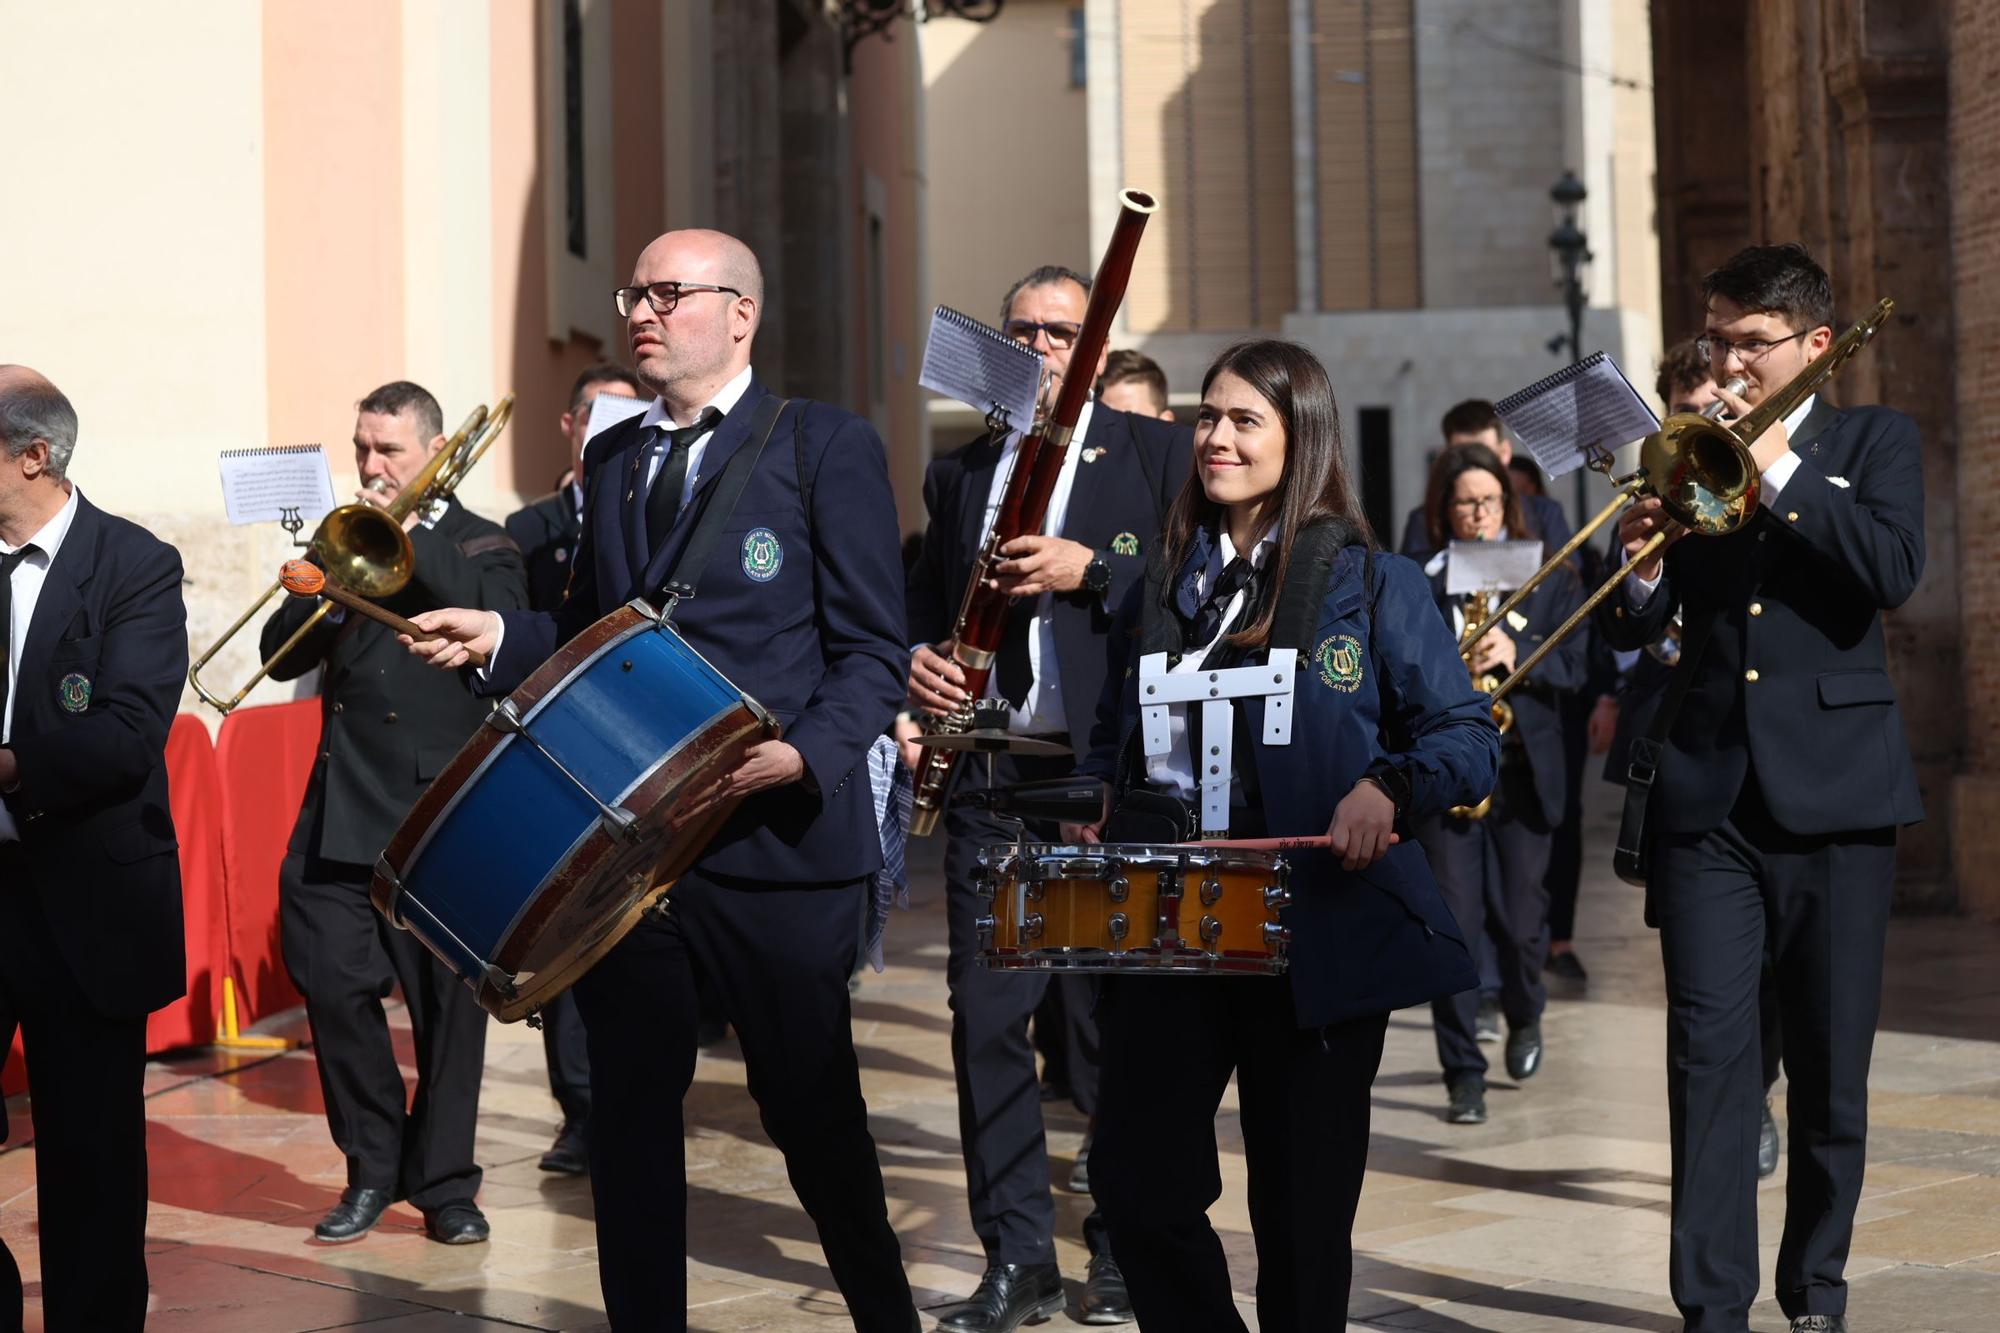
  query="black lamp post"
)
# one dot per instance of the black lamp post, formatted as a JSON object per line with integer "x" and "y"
{"x": 864, "y": 18}
{"x": 1569, "y": 264}
{"x": 1569, "y": 255}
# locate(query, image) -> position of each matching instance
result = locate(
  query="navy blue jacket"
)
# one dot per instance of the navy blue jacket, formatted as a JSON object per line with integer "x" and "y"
{"x": 1538, "y": 703}
{"x": 819, "y": 643}
{"x": 1367, "y": 942}
{"x": 1123, "y": 490}
{"x": 1796, "y": 597}
{"x": 546, "y": 530}
{"x": 99, "y": 680}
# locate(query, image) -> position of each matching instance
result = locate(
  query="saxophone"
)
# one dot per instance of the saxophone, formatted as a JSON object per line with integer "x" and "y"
{"x": 1478, "y": 606}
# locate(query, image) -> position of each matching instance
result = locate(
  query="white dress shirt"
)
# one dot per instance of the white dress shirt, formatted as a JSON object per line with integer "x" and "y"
{"x": 1043, "y": 712}
{"x": 724, "y": 403}
{"x": 1174, "y": 770}
{"x": 1639, "y": 591}
{"x": 26, "y": 590}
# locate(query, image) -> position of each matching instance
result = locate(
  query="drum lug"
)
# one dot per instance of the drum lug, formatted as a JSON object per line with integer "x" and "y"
{"x": 505, "y": 718}
{"x": 619, "y": 821}
{"x": 1211, "y": 891}
{"x": 1211, "y": 930}
{"x": 1031, "y": 927}
{"x": 1120, "y": 889}
{"x": 984, "y": 927}
{"x": 1277, "y": 939}
{"x": 1119, "y": 925}
{"x": 1033, "y": 891}
{"x": 1276, "y": 896}
{"x": 392, "y": 906}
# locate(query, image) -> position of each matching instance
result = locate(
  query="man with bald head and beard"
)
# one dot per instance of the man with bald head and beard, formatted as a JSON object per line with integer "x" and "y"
{"x": 801, "y": 607}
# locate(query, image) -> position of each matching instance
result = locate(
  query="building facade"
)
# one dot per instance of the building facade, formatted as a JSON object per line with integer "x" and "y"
{"x": 285, "y": 205}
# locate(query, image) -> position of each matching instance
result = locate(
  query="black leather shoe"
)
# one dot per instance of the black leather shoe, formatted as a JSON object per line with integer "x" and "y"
{"x": 1767, "y": 1144}
{"x": 1524, "y": 1051}
{"x": 1468, "y": 1100}
{"x": 458, "y": 1224}
{"x": 1008, "y": 1296}
{"x": 1820, "y": 1323}
{"x": 570, "y": 1153}
{"x": 1104, "y": 1299}
{"x": 1567, "y": 966}
{"x": 358, "y": 1210}
{"x": 1486, "y": 1024}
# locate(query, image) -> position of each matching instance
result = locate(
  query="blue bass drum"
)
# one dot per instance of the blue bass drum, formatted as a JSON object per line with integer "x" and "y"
{"x": 550, "y": 833}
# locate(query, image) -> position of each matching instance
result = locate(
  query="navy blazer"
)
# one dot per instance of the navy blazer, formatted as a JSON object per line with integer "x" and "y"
{"x": 1380, "y": 939}
{"x": 819, "y": 642}
{"x": 98, "y": 683}
{"x": 546, "y": 530}
{"x": 1122, "y": 491}
{"x": 1538, "y": 702}
{"x": 1544, "y": 517}
{"x": 1796, "y": 597}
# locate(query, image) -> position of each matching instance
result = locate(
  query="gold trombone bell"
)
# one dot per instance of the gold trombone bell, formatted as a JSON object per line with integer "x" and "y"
{"x": 363, "y": 547}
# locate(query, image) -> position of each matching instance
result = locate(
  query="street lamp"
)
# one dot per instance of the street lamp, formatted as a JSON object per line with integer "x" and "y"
{"x": 1569, "y": 260}
{"x": 1569, "y": 265}
{"x": 864, "y": 18}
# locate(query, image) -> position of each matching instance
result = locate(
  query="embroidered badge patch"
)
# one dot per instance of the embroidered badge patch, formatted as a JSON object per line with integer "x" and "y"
{"x": 1125, "y": 543}
{"x": 75, "y": 691}
{"x": 763, "y": 557}
{"x": 1339, "y": 658}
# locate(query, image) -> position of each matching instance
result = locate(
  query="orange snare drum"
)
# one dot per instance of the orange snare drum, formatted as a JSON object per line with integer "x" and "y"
{"x": 1118, "y": 907}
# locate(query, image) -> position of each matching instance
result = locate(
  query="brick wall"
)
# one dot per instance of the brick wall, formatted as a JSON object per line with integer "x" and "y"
{"x": 1975, "y": 217}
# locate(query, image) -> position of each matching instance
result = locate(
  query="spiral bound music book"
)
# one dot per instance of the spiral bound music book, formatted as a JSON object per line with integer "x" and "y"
{"x": 1561, "y": 417}
{"x": 259, "y": 485}
{"x": 981, "y": 367}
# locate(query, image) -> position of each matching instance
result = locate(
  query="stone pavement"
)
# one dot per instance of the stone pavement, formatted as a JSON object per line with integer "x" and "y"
{"x": 1550, "y": 1217}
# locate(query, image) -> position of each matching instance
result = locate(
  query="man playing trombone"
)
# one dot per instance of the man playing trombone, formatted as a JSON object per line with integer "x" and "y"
{"x": 1782, "y": 780}
{"x": 388, "y": 726}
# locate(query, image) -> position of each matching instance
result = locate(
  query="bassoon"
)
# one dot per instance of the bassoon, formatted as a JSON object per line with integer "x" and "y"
{"x": 975, "y": 640}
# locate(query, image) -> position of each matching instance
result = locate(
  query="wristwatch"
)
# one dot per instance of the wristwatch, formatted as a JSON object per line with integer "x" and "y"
{"x": 1097, "y": 575}
{"x": 1394, "y": 782}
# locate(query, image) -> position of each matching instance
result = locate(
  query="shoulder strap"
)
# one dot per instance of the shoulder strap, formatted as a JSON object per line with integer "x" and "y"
{"x": 1307, "y": 580}
{"x": 799, "y": 463}
{"x": 721, "y": 502}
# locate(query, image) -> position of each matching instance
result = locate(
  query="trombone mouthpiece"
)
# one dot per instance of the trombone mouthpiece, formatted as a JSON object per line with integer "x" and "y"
{"x": 381, "y": 484}
{"x": 1736, "y": 385}
{"x": 302, "y": 578}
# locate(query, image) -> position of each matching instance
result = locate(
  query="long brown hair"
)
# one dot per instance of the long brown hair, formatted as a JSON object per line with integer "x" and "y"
{"x": 1314, "y": 484}
{"x": 1454, "y": 463}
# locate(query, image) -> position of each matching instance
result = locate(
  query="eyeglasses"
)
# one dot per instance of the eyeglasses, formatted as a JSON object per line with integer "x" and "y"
{"x": 1715, "y": 351}
{"x": 1061, "y": 332}
{"x": 1496, "y": 503}
{"x": 662, "y": 296}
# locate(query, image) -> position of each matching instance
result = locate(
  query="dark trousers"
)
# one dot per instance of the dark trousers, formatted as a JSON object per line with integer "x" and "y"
{"x": 1819, "y": 906}
{"x": 999, "y": 1098}
{"x": 777, "y": 959}
{"x": 86, "y": 1078}
{"x": 344, "y": 957}
{"x": 1492, "y": 872}
{"x": 1565, "y": 873}
{"x": 1065, "y": 1033}
{"x": 1170, "y": 1045}
{"x": 568, "y": 1057}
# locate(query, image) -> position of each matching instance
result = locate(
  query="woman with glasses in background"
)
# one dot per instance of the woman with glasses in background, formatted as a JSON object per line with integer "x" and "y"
{"x": 1492, "y": 867}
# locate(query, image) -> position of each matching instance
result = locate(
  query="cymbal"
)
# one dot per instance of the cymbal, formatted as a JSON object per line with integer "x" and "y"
{"x": 991, "y": 740}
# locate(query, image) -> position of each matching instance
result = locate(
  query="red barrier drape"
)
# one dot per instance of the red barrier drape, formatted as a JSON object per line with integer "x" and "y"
{"x": 264, "y": 758}
{"x": 195, "y": 795}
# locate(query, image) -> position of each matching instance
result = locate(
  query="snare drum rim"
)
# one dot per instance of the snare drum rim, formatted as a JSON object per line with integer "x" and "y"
{"x": 1131, "y": 855}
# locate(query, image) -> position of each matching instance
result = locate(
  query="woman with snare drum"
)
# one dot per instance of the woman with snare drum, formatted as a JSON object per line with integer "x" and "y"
{"x": 1492, "y": 864}
{"x": 1266, "y": 549}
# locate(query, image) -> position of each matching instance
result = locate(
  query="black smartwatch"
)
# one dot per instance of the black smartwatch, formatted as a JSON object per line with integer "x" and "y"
{"x": 1394, "y": 782}
{"x": 1097, "y": 575}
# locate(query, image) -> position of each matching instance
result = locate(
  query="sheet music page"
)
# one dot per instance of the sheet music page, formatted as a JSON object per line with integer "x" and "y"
{"x": 608, "y": 409}
{"x": 981, "y": 367}
{"x": 258, "y": 485}
{"x": 1558, "y": 422}
{"x": 1484, "y": 566}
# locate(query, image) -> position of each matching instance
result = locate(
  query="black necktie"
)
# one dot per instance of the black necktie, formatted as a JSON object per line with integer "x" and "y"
{"x": 7, "y": 564}
{"x": 1206, "y": 624}
{"x": 1013, "y": 673}
{"x": 663, "y": 502}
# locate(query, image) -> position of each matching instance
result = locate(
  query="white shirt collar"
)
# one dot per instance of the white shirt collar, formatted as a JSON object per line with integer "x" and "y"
{"x": 724, "y": 402}
{"x": 49, "y": 538}
{"x": 1259, "y": 553}
{"x": 1798, "y": 416}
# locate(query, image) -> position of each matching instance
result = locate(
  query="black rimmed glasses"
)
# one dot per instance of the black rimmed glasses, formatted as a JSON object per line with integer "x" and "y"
{"x": 662, "y": 296}
{"x": 1061, "y": 332}
{"x": 1749, "y": 351}
{"x": 1480, "y": 504}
